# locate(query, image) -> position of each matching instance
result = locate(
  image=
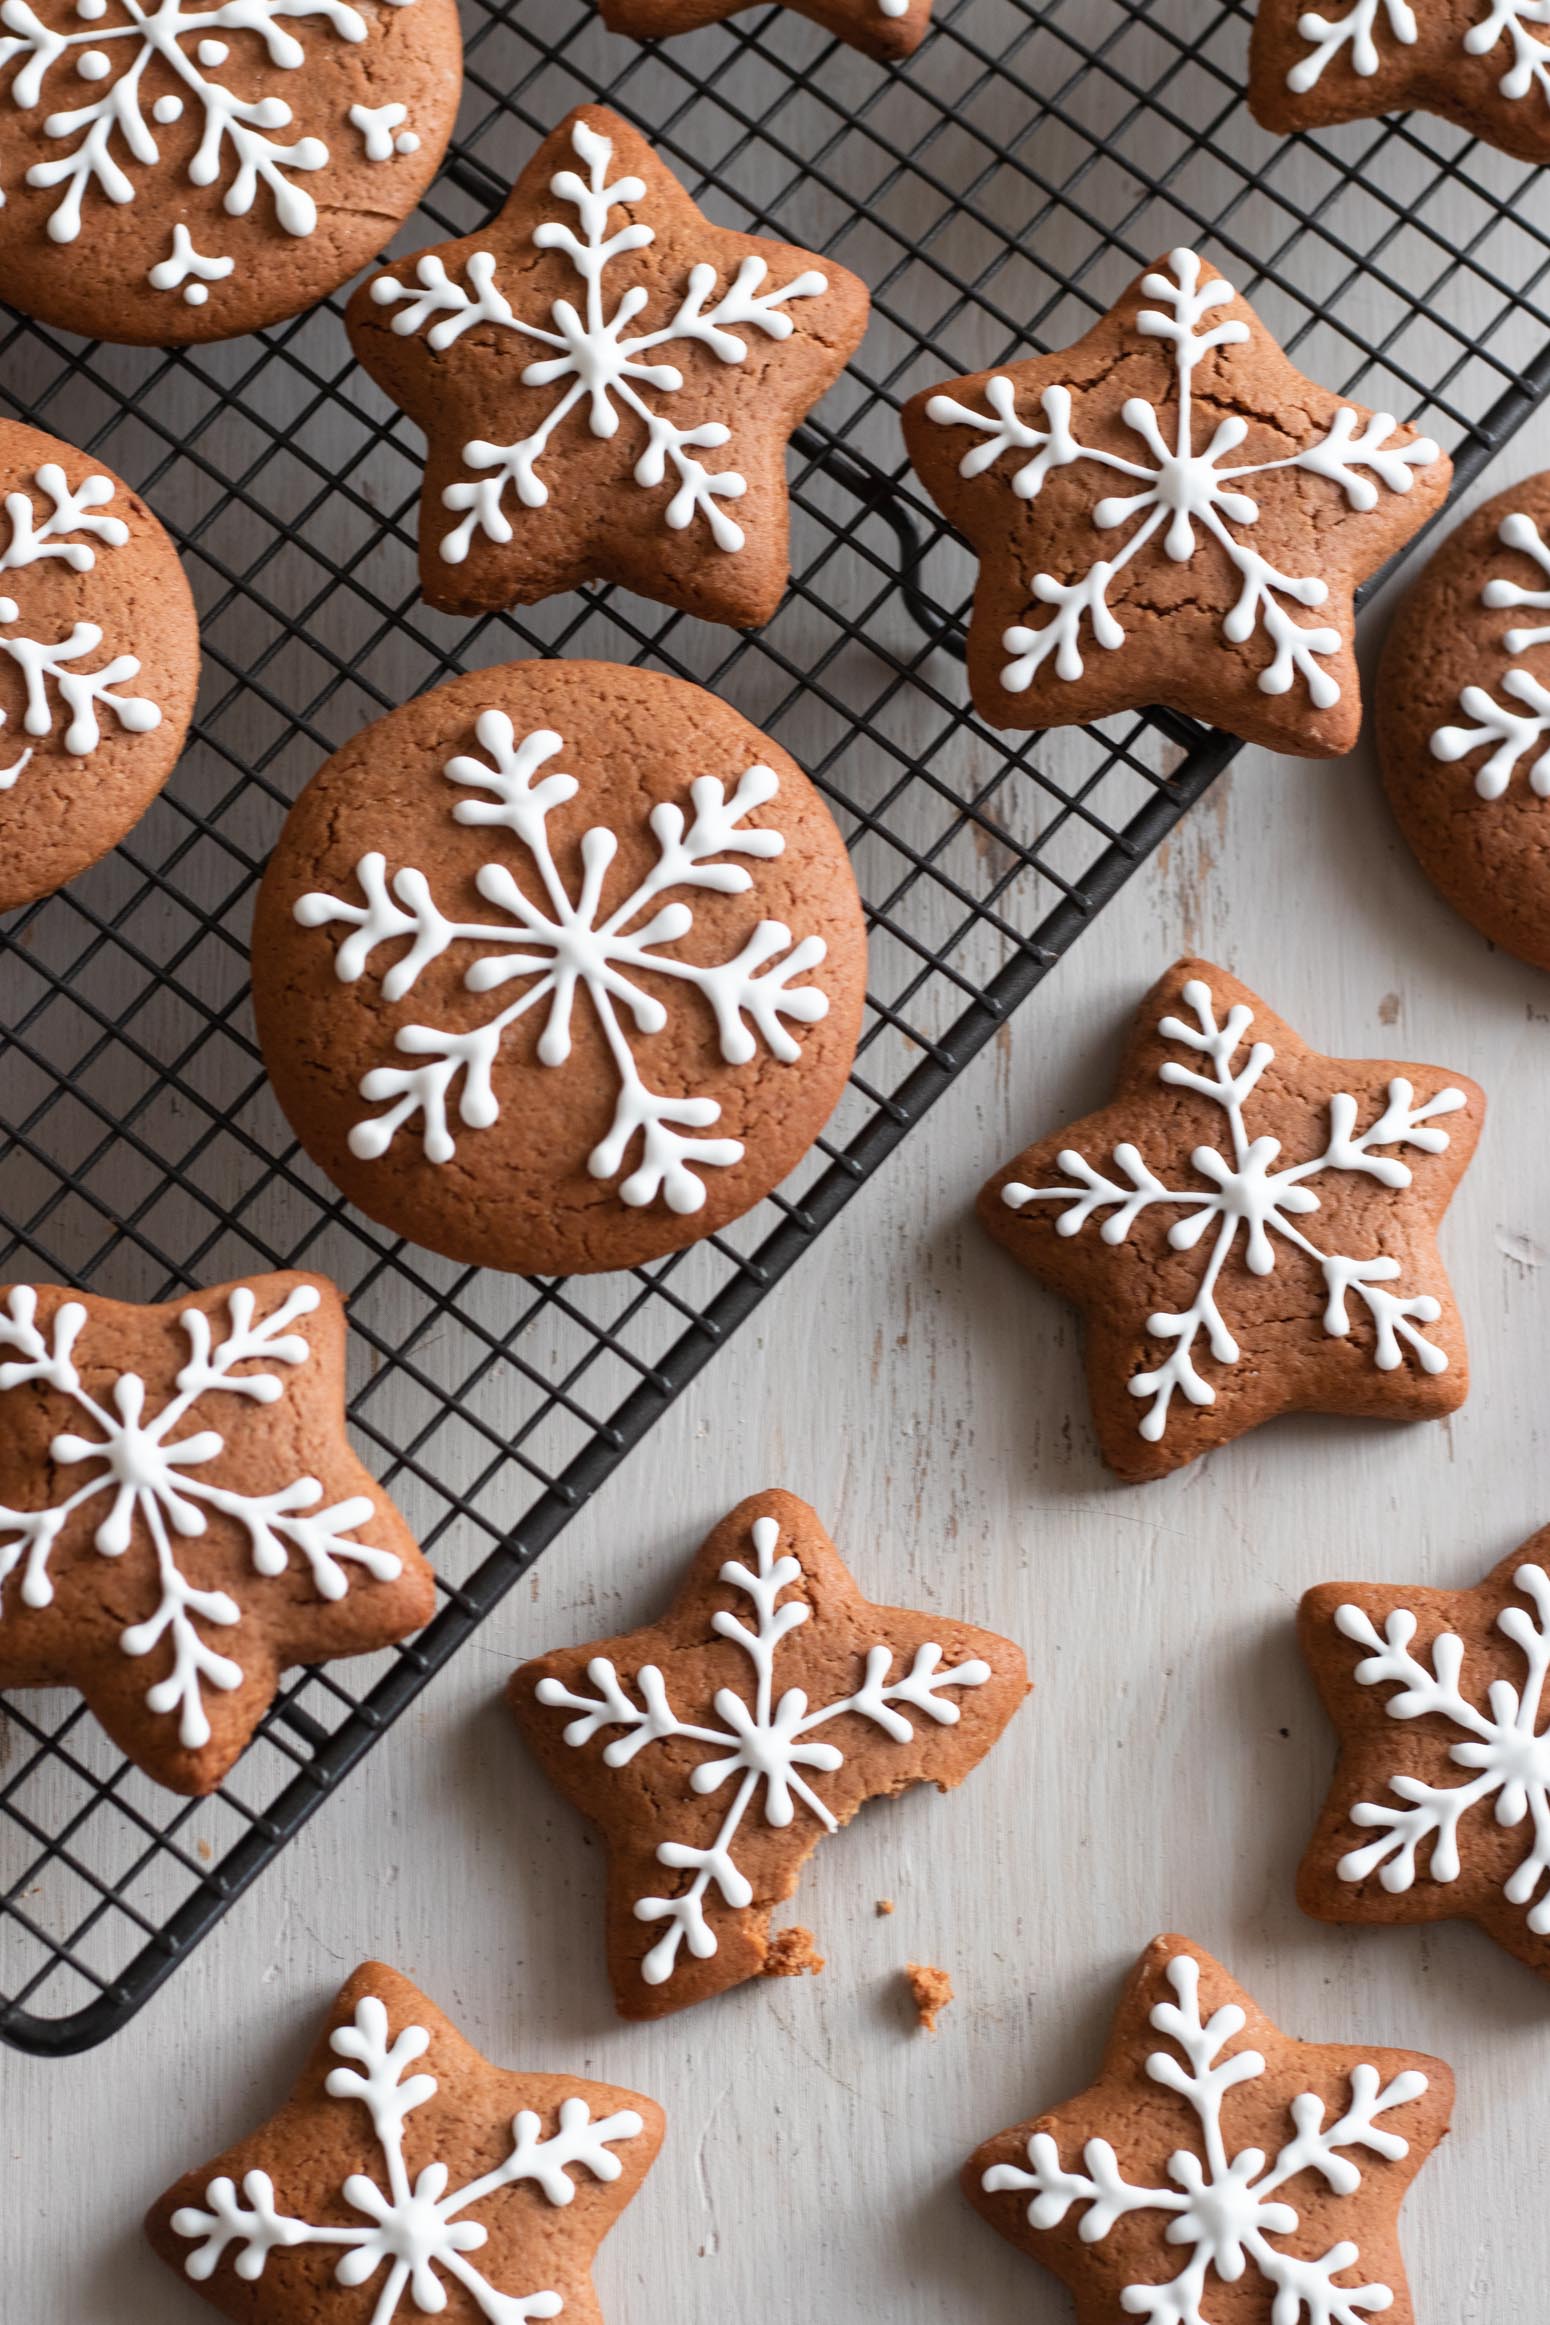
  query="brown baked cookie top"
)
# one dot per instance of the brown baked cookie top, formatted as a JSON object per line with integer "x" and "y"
{"x": 716, "y": 1747}
{"x": 1218, "y": 2168}
{"x": 1482, "y": 63}
{"x": 559, "y": 967}
{"x": 886, "y": 29}
{"x": 99, "y": 661}
{"x": 1168, "y": 512}
{"x": 1463, "y": 719}
{"x": 181, "y": 1517}
{"x": 405, "y": 2174}
{"x": 1249, "y": 1228}
{"x": 1440, "y": 1804}
{"x": 607, "y": 382}
{"x": 176, "y": 172}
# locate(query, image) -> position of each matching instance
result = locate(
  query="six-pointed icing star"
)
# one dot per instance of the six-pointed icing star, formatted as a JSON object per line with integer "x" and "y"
{"x": 1482, "y": 63}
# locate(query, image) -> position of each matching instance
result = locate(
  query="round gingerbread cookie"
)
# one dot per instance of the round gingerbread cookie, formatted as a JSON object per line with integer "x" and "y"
{"x": 1463, "y": 720}
{"x": 99, "y": 661}
{"x": 559, "y": 968}
{"x": 176, "y": 173}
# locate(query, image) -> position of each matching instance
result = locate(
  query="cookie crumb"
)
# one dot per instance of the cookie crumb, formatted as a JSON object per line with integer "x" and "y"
{"x": 885, "y": 1905}
{"x": 792, "y": 1954}
{"x": 931, "y": 1990}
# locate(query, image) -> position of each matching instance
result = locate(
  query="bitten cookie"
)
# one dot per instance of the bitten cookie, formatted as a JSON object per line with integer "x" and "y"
{"x": 886, "y": 29}
{"x": 1482, "y": 63}
{"x": 99, "y": 661}
{"x": 1463, "y": 720}
{"x": 1218, "y": 2168}
{"x": 1249, "y": 1228}
{"x": 176, "y": 173}
{"x": 716, "y": 1747}
{"x": 405, "y": 2175}
{"x": 1168, "y": 512}
{"x": 181, "y": 1517}
{"x": 560, "y": 967}
{"x": 570, "y": 363}
{"x": 1440, "y": 1805}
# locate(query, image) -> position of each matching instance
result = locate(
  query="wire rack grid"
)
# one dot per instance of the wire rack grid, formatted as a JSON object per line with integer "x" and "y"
{"x": 996, "y": 193}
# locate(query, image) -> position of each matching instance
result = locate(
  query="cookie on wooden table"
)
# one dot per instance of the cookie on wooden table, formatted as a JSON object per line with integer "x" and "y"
{"x": 607, "y": 382}
{"x": 559, "y": 967}
{"x": 1484, "y": 64}
{"x": 1168, "y": 512}
{"x": 1248, "y": 1227}
{"x": 181, "y": 1517}
{"x": 886, "y": 29}
{"x": 176, "y": 173}
{"x": 1218, "y": 2168}
{"x": 99, "y": 661}
{"x": 406, "y": 2176}
{"x": 1463, "y": 720}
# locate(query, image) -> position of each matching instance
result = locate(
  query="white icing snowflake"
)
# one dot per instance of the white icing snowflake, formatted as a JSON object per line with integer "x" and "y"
{"x": 1512, "y": 732}
{"x": 103, "y": 133}
{"x": 766, "y": 1741}
{"x": 1358, "y": 33}
{"x": 161, "y": 1481}
{"x": 1227, "y": 2208}
{"x": 565, "y": 946}
{"x": 71, "y": 530}
{"x": 594, "y": 359}
{"x": 416, "y": 2229}
{"x": 1503, "y": 1743}
{"x": 1179, "y": 492}
{"x": 1248, "y": 1194}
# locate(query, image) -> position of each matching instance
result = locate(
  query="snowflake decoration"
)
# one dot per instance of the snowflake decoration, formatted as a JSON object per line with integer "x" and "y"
{"x": 1248, "y": 1195}
{"x": 1512, "y": 732}
{"x": 1502, "y": 1743}
{"x": 1357, "y": 34}
{"x": 1227, "y": 2208}
{"x": 162, "y": 1481}
{"x": 592, "y": 358}
{"x": 103, "y": 134}
{"x": 1179, "y": 492}
{"x": 71, "y": 529}
{"x": 555, "y": 946}
{"x": 763, "y": 1739}
{"x": 418, "y": 2230}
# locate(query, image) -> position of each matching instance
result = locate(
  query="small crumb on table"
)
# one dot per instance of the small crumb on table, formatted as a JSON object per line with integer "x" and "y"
{"x": 792, "y": 1954}
{"x": 885, "y": 1905}
{"x": 931, "y": 1990}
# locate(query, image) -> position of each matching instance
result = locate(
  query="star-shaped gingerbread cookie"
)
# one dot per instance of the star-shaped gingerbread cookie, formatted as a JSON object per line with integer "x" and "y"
{"x": 1169, "y": 513}
{"x": 406, "y": 2176}
{"x": 1440, "y": 1804}
{"x": 886, "y": 29}
{"x": 715, "y": 1747}
{"x": 181, "y": 1517}
{"x": 1219, "y": 2170}
{"x": 1249, "y": 1228}
{"x": 573, "y": 363}
{"x": 1484, "y": 64}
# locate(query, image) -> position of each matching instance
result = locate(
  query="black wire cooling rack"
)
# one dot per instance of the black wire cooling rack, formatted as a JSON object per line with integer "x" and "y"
{"x": 997, "y": 193}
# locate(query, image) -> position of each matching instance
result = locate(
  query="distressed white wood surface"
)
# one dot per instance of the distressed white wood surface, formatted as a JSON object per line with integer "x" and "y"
{"x": 926, "y": 1397}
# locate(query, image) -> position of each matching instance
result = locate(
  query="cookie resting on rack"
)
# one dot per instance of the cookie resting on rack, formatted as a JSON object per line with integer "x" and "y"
{"x": 1440, "y": 1806}
{"x": 1219, "y": 2172}
{"x": 1484, "y": 64}
{"x": 1248, "y": 1227}
{"x": 1463, "y": 719}
{"x": 886, "y": 29}
{"x": 715, "y": 1747}
{"x": 574, "y": 362}
{"x": 406, "y": 2177}
{"x": 1169, "y": 513}
{"x": 181, "y": 1517}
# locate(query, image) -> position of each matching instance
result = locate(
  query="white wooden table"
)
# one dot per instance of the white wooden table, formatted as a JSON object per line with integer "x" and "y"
{"x": 927, "y": 1397}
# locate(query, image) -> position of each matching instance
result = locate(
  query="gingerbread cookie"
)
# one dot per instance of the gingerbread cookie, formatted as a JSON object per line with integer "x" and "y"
{"x": 1224, "y": 2172}
{"x": 1440, "y": 1806}
{"x": 176, "y": 173}
{"x": 99, "y": 662}
{"x": 181, "y": 1517}
{"x": 1482, "y": 63}
{"x": 405, "y": 2175}
{"x": 560, "y": 967}
{"x": 571, "y": 362}
{"x": 716, "y": 1747}
{"x": 886, "y": 29}
{"x": 1169, "y": 512}
{"x": 1249, "y": 1228}
{"x": 1463, "y": 720}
